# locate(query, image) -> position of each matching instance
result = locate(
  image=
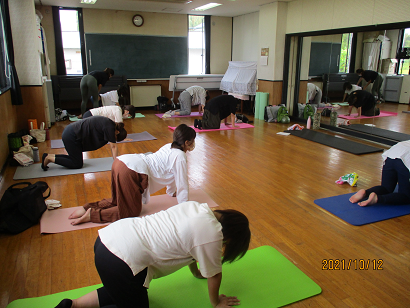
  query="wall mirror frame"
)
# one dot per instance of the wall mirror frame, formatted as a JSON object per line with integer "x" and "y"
{"x": 292, "y": 86}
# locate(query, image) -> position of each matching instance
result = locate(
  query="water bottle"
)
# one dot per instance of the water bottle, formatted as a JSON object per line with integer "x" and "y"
{"x": 309, "y": 122}
{"x": 36, "y": 155}
{"x": 333, "y": 118}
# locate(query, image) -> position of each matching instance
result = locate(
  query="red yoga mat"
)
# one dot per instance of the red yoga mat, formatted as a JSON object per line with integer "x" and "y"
{"x": 56, "y": 221}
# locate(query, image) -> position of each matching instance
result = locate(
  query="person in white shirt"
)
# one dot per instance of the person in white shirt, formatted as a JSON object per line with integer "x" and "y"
{"x": 116, "y": 97}
{"x": 192, "y": 96}
{"x": 395, "y": 171}
{"x": 134, "y": 177}
{"x": 349, "y": 88}
{"x": 131, "y": 252}
{"x": 114, "y": 113}
{"x": 315, "y": 96}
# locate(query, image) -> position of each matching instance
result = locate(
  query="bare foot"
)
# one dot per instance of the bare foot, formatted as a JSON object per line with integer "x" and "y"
{"x": 358, "y": 196}
{"x": 77, "y": 213}
{"x": 372, "y": 200}
{"x": 83, "y": 219}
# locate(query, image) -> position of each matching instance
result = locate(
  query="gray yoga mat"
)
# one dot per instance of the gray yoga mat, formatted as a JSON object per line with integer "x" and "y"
{"x": 335, "y": 142}
{"x": 90, "y": 165}
{"x": 144, "y": 136}
{"x": 380, "y": 132}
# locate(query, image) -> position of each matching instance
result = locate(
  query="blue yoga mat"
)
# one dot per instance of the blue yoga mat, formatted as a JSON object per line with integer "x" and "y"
{"x": 358, "y": 215}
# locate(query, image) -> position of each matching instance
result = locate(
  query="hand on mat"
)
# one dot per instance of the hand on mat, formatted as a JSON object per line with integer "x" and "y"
{"x": 227, "y": 301}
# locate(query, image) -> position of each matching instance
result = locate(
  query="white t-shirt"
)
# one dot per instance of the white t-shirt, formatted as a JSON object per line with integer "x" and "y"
{"x": 109, "y": 98}
{"x": 168, "y": 240}
{"x": 198, "y": 95}
{"x": 312, "y": 89}
{"x": 166, "y": 167}
{"x": 114, "y": 113}
{"x": 354, "y": 88}
{"x": 400, "y": 150}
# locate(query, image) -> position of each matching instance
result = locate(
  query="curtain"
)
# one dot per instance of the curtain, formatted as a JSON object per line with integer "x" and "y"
{"x": 16, "y": 98}
{"x": 207, "y": 44}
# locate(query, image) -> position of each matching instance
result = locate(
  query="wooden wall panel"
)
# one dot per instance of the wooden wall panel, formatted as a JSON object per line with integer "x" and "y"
{"x": 8, "y": 115}
{"x": 274, "y": 88}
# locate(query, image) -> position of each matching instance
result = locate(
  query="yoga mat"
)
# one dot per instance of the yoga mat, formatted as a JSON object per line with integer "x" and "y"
{"x": 144, "y": 136}
{"x": 389, "y": 134}
{"x": 56, "y": 221}
{"x": 406, "y": 111}
{"x": 262, "y": 278}
{"x": 139, "y": 115}
{"x": 357, "y": 215}
{"x": 223, "y": 127}
{"x": 74, "y": 119}
{"x": 193, "y": 114}
{"x": 341, "y": 104}
{"x": 90, "y": 165}
{"x": 382, "y": 114}
{"x": 261, "y": 100}
{"x": 335, "y": 142}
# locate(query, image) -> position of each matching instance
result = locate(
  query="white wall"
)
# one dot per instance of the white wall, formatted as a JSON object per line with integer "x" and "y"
{"x": 221, "y": 44}
{"x": 314, "y": 15}
{"x": 26, "y": 41}
{"x": 245, "y": 45}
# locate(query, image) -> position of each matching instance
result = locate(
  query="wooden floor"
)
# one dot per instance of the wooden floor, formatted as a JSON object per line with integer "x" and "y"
{"x": 273, "y": 179}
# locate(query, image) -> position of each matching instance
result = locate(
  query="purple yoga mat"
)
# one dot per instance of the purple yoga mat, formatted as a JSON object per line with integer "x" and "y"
{"x": 144, "y": 136}
{"x": 193, "y": 114}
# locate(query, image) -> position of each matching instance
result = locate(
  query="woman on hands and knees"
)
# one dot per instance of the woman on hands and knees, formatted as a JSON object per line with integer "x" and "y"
{"x": 131, "y": 252}
{"x": 395, "y": 171}
{"x": 135, "y": 176}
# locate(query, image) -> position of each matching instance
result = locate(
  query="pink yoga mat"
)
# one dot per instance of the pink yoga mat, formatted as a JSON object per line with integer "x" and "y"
{"x": 56, "y": 221}
{"x": 193, "y": 114}
{"x": 382, "y": 114}
{"x": 223, "y": 127}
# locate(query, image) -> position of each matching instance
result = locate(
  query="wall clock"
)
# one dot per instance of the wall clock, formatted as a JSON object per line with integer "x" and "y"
{"x": 137, "y": 20}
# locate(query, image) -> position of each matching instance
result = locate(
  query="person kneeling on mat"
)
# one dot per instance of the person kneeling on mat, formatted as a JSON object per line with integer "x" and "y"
{"x": 131, "y": 252}
{"x": 192, "y": 96}
{"x": 364, "y": 102}
{"x": 217, "y": 109}
{"x": 395, "y": 171}
{"x": 114, "y": 113}
{"x": 135, "y": 176}
{"x": 86, "y": 135}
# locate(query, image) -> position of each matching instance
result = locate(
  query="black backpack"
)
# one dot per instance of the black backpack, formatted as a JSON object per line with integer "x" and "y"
{"x": 21, "y": 208}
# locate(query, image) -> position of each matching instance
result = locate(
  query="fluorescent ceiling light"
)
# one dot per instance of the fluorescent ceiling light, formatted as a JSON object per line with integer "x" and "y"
{"x": 88, "y": 1}
{"x": 206, "y": 7}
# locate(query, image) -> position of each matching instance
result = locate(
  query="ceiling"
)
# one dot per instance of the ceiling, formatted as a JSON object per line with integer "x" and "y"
{"x": 229, "y": 8}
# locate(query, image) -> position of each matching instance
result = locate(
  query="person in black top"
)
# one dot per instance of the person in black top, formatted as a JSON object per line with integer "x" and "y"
{"x": 364, "y": 102}
{"x": 217, "y": 109}
{"x": 88, "y": 134}
{"x": 91, "y": 85}
{"x": 371, "y": 77}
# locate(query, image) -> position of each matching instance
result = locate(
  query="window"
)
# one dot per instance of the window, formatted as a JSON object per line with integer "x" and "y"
{"x": 4, "y": 61}
{"x": 71, "y": 41}
{"x": 196, "y": 45}
{"x": 345, "y": 52}
{"x": 404, "y": 54}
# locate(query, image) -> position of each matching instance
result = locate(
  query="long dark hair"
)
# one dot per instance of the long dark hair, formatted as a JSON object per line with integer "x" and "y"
{"x": 122, "y": 132}
{"x": 236, "y": 233}
{"x": 181, "y": 134}
{"x": 109, "y": 71}
{"x": 131, "y": 110}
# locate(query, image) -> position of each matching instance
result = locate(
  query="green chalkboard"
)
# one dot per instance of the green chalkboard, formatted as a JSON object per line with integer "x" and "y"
{"x": 324, "y": 58}
{"x": 137, "y": 56}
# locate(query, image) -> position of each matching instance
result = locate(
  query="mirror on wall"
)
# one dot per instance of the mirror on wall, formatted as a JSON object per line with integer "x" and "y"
{"x": 329, "y": 79}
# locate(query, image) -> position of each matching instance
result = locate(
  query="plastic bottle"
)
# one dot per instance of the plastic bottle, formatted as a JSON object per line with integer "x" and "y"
{"x": 309, "y": 123}
{"x": 36, "y": 155}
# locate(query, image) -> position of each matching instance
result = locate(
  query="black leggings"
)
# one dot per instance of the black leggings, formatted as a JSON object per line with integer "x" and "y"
{"x": 121, "y": 288}
{"x": 394, "y": 172}
{"x": 74, "y": 148}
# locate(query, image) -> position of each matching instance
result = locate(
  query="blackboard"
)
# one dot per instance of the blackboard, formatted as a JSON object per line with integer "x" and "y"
{"x": 324, "y": 58}
{"x": 137, "y": 56}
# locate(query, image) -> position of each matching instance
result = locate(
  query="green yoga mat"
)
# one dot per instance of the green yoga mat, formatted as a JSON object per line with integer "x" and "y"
{"x": 263, "y": 278}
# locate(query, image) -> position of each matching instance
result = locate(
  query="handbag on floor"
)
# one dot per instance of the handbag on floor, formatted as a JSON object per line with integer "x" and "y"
{"x": 21, "y": 208}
